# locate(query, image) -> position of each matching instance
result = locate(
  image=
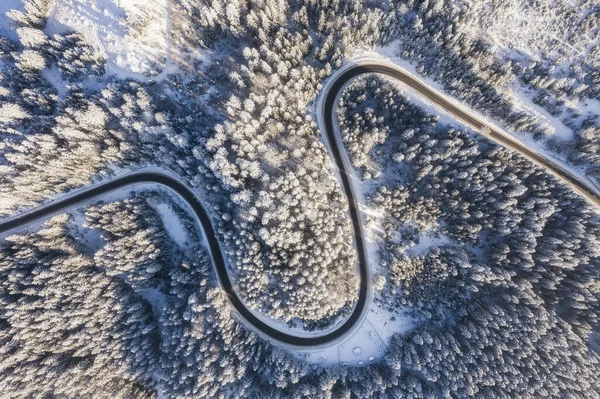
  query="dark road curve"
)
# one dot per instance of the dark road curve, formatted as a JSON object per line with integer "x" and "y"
{"x": 333, "y": 89}
{"x": 480, "y": 125}
{"x": 213, "y": 245}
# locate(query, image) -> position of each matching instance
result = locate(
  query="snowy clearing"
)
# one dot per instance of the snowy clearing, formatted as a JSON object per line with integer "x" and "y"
{"x": 132, "y": 34}
{"x": 171, "y": 222}
{"x": 367, "y": 343}
{"x": 5, "y": 21}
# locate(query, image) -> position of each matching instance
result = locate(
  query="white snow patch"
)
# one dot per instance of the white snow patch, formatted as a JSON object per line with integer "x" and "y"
{"x": 90, "y": 238}
{"x": 52, "y": 75}
{"x": 366, "y": 343}
{"x": 171, "y": 222}
{"x": 591, "y": 105}
{"x": 426, "y": 241}
{"x": 586, "y": 108}
{"x": 156, "y": 300}
{"x": 522, "y": 99}
{"x": 5, "y": 21}
{"x": 594, "y": 342}
{"x": 132, "y": 34}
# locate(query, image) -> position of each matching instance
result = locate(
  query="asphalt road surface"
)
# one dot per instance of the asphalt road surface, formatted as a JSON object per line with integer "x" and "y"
{"x": 483, "y": 127}
{"x": 188, "y": 196}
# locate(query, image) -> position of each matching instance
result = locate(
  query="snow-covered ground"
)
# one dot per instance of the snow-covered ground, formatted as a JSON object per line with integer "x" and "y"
{"x": 522, "y": 100}
{"x": 53, "y": 76}
{"x": 89, "y": 238}
{"x": 426, "y": 241}
{"x": 5, "y": 7}
{"x": 133, "y": 35}
{"x": 171, "y": 221}
{"x": 365, "y": 344}
{"x": 537, "y": 29}
{"x": 156, "y": 300}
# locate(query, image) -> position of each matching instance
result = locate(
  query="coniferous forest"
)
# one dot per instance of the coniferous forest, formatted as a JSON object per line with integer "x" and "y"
{"x": 482, "y": 264}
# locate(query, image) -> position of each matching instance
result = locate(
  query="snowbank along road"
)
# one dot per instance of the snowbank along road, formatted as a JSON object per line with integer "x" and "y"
{"x": 330, "y": 95}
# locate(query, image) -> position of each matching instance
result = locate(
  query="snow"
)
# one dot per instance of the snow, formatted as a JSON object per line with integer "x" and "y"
{"x": 591, "y": 106}
{"x": 364, "y": 344}
{"x": 53, "y": 76}
{"x": 171, "y": 222}
{"x": 426, "y": 241}
{"x": 537, "y": 29}
{"x": 522, "y": 100}
{"x": 594, "y": 342}
{"x": 89, "y": 238}
{"x": 587, "y": 108}
{"x": 156, "y": 300}
{"x": 6, "y": 6}
{"x": 134, "y": 35}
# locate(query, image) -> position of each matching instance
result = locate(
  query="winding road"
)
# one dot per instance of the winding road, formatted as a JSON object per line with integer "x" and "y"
{"x": 330, "y": 94}
{"x": 460, "y": 113}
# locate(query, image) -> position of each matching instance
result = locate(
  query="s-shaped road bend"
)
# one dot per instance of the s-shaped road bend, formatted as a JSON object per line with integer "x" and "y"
{"x": 332, "y": 90}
